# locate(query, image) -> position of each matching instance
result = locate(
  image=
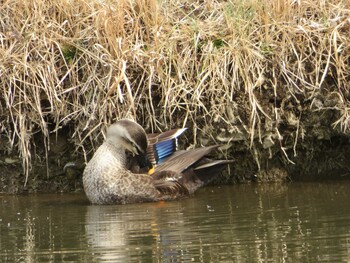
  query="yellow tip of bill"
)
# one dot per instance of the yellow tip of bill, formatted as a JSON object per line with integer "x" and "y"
{"x": 151, "y": 171}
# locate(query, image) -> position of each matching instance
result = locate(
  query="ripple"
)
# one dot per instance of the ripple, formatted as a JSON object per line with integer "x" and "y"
{"x": 294, "y": 222}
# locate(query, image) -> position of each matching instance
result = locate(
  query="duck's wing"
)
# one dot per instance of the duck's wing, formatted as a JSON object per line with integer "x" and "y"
{"x": 185, "y": 171}
{"x": 162, "y": 145}
{"x": 164, "y": 136}
{"x": 171, "y": 188}
{"x": 182, "y": 160}
{"x": 211, "y": 163}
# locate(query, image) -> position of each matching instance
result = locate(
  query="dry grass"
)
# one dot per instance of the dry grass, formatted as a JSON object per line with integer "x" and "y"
{"x": 228, "y": 69}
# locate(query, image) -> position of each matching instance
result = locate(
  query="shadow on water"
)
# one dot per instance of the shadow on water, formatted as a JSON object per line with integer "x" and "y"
{"x": 297, "y": 222}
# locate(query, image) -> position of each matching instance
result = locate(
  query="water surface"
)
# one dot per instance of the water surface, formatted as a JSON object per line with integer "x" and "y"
{"x": 297, "y": 222}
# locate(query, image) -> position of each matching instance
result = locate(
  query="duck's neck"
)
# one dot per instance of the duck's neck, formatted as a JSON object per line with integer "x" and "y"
{"x": 117, "y": 151}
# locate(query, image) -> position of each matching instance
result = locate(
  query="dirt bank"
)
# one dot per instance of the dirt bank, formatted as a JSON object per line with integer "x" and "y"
{"x": 322, "y": 154}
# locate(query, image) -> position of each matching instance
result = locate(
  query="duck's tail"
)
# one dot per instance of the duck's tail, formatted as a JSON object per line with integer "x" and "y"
{"x": 203, "y": 173}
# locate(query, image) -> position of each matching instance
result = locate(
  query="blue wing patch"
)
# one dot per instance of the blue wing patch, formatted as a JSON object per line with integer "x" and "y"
{"x": 164, "y": 149}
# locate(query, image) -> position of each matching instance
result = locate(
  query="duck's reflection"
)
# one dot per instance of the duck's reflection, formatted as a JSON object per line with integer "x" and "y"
{"x": 119, "y": 233}
{"x": 103, "y": 236}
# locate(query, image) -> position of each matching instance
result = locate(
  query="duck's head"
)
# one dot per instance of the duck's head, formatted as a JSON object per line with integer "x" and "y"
{"x": 132, "y": 137}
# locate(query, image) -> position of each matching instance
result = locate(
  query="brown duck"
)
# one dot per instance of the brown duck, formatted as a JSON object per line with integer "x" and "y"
{"x": 115, "y": 174}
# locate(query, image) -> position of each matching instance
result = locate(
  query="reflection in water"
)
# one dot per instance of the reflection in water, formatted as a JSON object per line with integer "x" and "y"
{"x": 29, "y": 239}
{"x": 296, "y": 222}
{"x": 140, "y": 231}
{"x": 105, "y": 233}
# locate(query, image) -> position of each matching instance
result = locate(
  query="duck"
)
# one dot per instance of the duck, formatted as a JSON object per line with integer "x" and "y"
{"x": 132, "y": 167}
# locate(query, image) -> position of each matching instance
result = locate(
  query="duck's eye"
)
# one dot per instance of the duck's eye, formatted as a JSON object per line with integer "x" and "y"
{"x": 135, "y": 150}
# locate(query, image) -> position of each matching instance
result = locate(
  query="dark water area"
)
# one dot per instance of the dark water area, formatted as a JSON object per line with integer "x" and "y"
{"x": 296, "y": 222}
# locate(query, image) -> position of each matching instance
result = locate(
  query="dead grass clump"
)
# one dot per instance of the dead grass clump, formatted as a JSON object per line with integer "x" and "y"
{"x": 234, "y": 70}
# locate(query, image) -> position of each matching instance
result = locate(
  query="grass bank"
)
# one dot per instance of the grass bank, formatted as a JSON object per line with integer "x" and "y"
{"x": 262, "y": 77}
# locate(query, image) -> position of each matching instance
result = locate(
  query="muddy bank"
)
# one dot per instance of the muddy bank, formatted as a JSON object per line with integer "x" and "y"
{"x": 312, "y": 158}
{"x": 316, "y": 160}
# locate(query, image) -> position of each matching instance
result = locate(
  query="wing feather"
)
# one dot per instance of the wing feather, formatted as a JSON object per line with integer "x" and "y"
{"x": 184, "y": 159}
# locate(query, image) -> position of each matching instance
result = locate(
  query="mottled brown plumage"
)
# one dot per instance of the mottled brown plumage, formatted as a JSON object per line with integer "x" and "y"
{"x": 114, "y": 174}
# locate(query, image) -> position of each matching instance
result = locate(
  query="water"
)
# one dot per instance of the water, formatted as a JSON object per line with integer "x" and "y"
{"x": 297, "y": 222}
